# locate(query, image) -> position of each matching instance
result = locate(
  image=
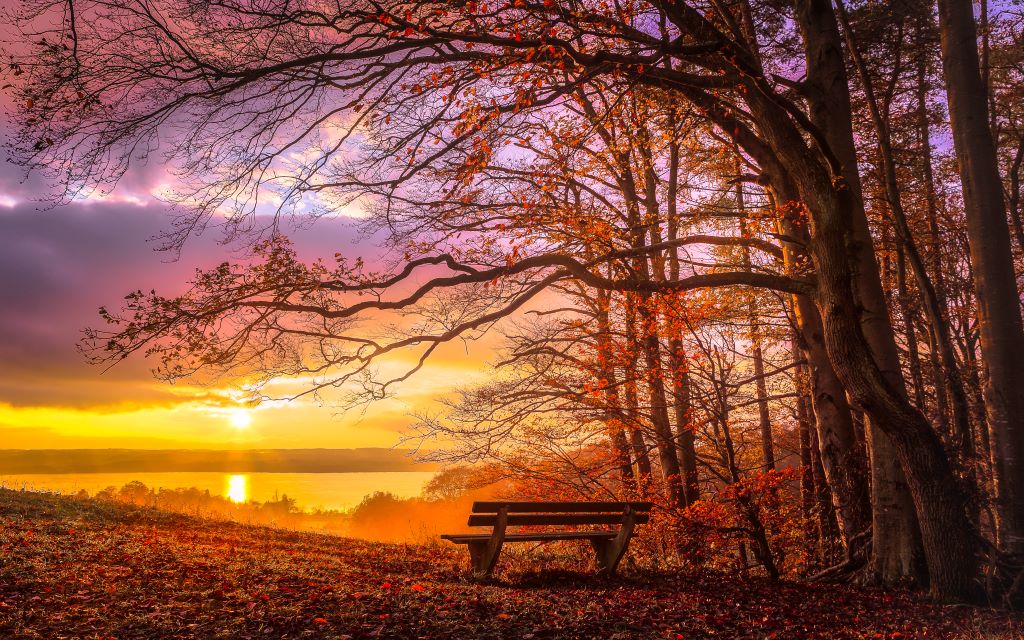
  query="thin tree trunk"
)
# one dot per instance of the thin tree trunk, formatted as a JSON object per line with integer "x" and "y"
{"x": 614, "y": 412}
{"x": 620, "y": 446}
{"x": 764, "y": 417}
{"x": 1014, "y": 195}
{"x": 758, "y": 534}
{"x": 931, "y": 197}
{"x": 939, "y": 381}
{"x": 681, "y": 401}
{"x": 986, "y": 75}
{"x": 808, "y": 490}
{"x": 913, "y": 356}
{"x": 636, "y": 435}
{"x": 655, "y": 379}
{"x": 827, "y": 521}
{"x": 760, "y": 386}
{"x": 943, "y": 382}
{"x": 649, "y": 316}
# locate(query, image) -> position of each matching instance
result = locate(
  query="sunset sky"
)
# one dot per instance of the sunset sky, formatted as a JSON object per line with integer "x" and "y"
{"x": 60, "y": 264}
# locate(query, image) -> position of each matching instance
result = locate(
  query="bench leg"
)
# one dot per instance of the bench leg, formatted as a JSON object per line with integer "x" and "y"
{"x": 476, "y": 554}
{"x": 484, "y": 554}
{"x": 601, "y": 553}
{"x": 610, "y": 552}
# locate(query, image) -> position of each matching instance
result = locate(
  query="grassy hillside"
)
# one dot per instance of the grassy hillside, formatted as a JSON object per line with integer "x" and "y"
{"x": 87, "y": 569}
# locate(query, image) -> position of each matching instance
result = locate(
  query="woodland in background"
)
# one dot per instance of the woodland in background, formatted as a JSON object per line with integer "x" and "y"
{"x": 759, "y": 261}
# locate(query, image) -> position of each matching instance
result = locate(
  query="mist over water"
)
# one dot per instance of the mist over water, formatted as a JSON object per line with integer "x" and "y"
{"x": 311, "y": 491}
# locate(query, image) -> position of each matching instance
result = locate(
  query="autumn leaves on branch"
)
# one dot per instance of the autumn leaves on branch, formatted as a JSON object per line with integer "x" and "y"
{"x": 692, "y": 203}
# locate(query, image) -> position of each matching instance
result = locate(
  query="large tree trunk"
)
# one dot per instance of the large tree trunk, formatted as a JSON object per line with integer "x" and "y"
{"x": 896, "y": 546}
{"x": 950, "y": 541}
{"x": 842, "y": 459}
{"x": 1002, "y": 334}
{"x": 949, "y": 538}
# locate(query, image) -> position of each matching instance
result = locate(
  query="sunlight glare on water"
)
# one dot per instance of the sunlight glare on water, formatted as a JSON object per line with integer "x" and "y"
{"x": 237, "y": 489}
{"x": 336, "y": 491}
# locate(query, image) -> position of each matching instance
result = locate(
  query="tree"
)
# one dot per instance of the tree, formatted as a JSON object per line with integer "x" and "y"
{"x": 999, "y": 319}
{"x": 437, "y": 91}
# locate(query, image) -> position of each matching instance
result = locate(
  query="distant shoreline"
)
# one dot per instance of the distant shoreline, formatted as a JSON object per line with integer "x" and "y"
{"x": 361, "y": 460}
{"x": 4, "y": 474}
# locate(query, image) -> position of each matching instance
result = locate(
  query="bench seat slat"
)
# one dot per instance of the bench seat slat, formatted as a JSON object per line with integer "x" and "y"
{"x": 518, "y": 520}
{"x": 559, "y": 507}
{"x": 466, "y": 538}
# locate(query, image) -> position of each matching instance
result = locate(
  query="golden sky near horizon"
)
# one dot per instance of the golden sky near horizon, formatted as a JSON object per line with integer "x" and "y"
{"x": 50, "y": 398}
{"x": 198, "y": 421}
{"x": 58, "y": 266}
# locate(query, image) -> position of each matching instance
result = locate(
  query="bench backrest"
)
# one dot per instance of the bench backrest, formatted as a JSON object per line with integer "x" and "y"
{"x": 485, "y": 514}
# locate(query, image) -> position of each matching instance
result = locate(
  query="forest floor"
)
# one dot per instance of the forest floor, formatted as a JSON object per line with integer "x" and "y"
{"x": 73, "y": 568}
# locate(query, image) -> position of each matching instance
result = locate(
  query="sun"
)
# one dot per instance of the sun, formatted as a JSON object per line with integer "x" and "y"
{"x": 240, "y": 418}
{"x": 237, "y": 488}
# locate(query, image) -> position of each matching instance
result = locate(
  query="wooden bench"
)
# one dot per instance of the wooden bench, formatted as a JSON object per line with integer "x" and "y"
{"x": 609, "y": 545}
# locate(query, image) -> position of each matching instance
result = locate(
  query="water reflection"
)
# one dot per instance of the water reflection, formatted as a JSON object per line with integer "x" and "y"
{"x": 311, "y": 490}
{"x": 237, "y": 489}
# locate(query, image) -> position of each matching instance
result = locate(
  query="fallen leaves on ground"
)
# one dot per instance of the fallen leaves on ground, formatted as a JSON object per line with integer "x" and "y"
{"x": 87, "y": 569}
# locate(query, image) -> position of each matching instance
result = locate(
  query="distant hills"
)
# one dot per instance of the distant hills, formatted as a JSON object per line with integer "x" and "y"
{"x": 21, "y": 461}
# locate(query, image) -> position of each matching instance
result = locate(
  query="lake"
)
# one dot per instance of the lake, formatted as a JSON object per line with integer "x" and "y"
{"x": 336, "y": 491}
